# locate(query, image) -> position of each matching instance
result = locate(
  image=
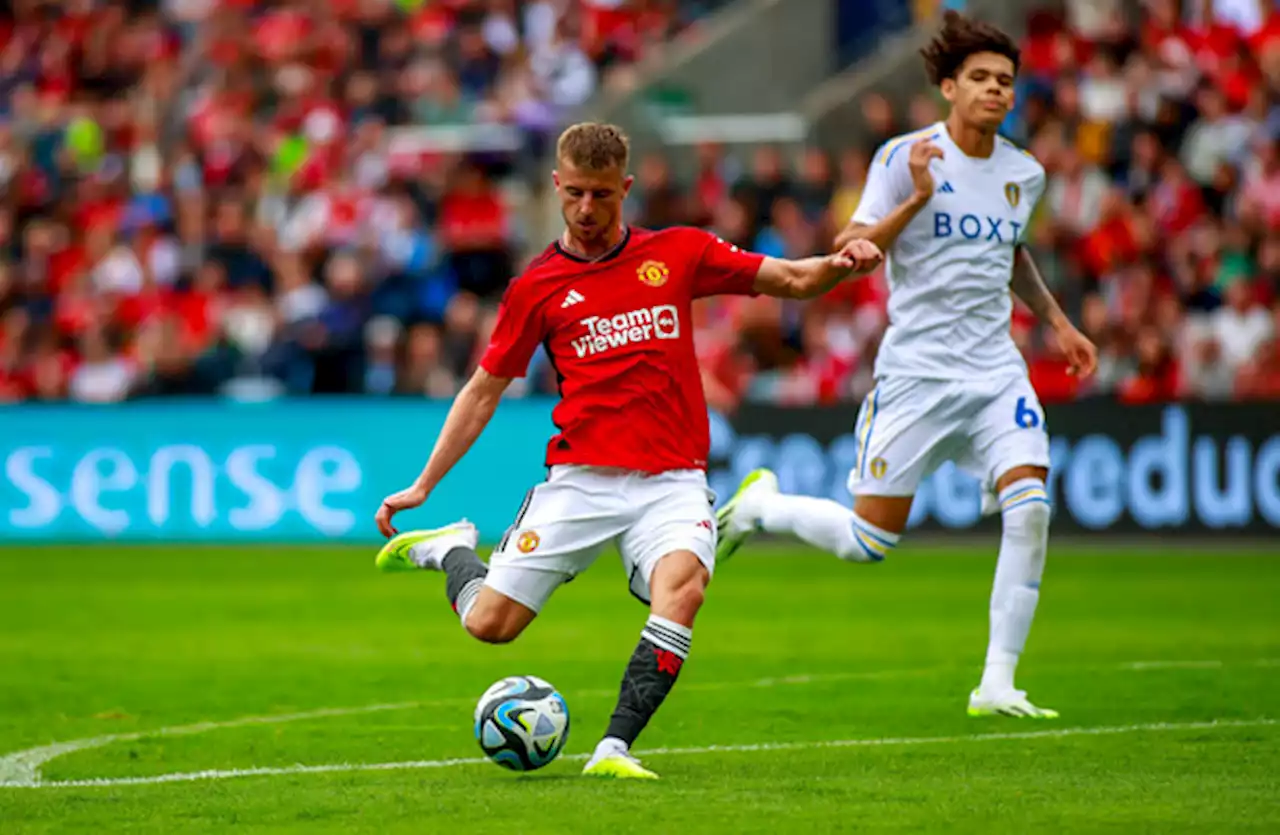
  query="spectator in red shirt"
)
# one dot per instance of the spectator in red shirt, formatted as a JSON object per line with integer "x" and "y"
{"x": 1156, "y": 379}
{"x": 474, "y": 229}
{"x": 1259, "y": 379}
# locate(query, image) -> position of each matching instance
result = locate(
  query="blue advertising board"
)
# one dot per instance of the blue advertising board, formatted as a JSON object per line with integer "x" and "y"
{"x": 1183, "y": 467}
{"x": 315, "y": 470}
{"x": 211, "y": 470}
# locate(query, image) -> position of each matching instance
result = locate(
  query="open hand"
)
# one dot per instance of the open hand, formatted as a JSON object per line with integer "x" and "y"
{"x": 406, "y": 499}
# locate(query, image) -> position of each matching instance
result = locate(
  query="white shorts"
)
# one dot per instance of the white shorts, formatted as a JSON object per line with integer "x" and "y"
{"x": 569, "y": 519}
{"x": 909, "y": 426}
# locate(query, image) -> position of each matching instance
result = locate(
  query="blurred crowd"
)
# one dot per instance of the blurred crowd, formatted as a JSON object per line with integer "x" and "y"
{"x": 264, "y": 198}
{"x": 1162, "y": 217}
{"x": 261, "y": 198}
{"x": 1159, "y": 126}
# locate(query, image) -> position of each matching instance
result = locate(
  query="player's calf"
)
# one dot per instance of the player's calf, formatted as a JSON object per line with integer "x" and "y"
{"x": 486, "y": 614}
{"x": 1025, "y": 514}
{"x": 464, "y": 577}
{"x": 451, "y": 549}
{"x": 822, "y": 523}
{"x": 678, "y": 586}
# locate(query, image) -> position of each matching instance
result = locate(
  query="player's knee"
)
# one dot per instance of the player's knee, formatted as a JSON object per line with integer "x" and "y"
{"x": 492, "y": 626}
{"x": 679, "y": 588}
{"x": 686, "y": 599}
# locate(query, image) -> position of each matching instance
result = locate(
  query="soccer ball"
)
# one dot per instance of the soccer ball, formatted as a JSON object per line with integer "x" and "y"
{"x": 522, "y": 723}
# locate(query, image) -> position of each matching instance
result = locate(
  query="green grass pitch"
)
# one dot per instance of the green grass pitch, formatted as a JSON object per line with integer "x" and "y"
{"x": 1140, "y": 648}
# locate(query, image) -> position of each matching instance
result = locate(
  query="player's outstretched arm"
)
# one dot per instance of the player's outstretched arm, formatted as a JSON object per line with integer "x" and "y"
{"x": 810, "y": 277}
{"x": 471, "y": 412}
{"x": 1029, "y": 285}
{"x": 884, "y": 233}
{"x": 885, "y": 188}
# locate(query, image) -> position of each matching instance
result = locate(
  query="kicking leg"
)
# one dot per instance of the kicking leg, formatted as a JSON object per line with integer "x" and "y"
{"x": 865, "y": 534}
{"x": 678, "y": 585}
{"x": 1024, "y": 508}
{"x": 487, "y": 614}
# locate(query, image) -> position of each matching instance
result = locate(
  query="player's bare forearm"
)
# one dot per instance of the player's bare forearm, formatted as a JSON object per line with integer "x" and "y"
{"x": 884, "y": 233}
{"x": 471, "y": 412}
{"x": 1029, "y": 285}
{"x": 811, "y": 277}
{"x": 807, "y": 278}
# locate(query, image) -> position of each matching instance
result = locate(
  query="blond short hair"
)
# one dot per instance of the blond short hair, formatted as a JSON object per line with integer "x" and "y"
{"x": 594, "y": 146}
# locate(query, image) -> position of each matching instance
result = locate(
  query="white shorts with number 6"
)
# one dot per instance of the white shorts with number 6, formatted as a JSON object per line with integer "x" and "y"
{"x": 908, "y": 427}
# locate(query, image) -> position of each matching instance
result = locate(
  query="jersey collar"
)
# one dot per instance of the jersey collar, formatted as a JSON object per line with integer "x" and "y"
{"x": 980, "y": 163}
{"x": 608, "y": 256}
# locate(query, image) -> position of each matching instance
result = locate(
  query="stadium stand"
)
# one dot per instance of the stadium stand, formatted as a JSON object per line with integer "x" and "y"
{"x": 1160, "y": 226}
{"x": 204, "y": 197}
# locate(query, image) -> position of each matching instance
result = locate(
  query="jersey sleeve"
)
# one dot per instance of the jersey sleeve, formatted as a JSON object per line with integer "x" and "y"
{"x": 1035, "y": 191}
{"x": 723, "y": 269}
{"x": 517, "y": 333}
{"x": 888, "y": 184}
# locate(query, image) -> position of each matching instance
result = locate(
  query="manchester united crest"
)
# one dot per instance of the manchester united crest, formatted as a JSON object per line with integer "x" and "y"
{"x": 1012, "y": 193}
{"x": 528, "y": 541}
{"x": 653, "y": 273}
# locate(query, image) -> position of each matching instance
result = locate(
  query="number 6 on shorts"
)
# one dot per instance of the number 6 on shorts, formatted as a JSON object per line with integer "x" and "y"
{"x": 1025, "y": 418}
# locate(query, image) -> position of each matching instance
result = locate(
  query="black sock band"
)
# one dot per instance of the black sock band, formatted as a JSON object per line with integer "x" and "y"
{"x": 650, "y": 675}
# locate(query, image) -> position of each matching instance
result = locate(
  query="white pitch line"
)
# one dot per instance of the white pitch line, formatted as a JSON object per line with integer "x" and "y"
{"x": 1172, "y": 665}
{"x": 22, "y": 768}
{"x": 226, "y": 774}
{"x": 1140, "y": 666}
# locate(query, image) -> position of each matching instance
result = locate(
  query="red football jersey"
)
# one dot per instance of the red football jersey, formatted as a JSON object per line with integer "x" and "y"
{"x": 619, "y": 333}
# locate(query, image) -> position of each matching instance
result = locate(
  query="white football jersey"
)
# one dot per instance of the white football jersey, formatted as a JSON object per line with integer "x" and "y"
{"x": 949, "y": 271}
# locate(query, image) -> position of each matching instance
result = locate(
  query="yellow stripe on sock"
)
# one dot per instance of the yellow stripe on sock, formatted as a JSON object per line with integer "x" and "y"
{"x": 870, "y": 544}
{"x": 1026, "y": 493}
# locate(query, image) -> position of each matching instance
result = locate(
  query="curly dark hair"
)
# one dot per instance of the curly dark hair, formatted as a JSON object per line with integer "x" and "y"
{"x": 961, "y": 37}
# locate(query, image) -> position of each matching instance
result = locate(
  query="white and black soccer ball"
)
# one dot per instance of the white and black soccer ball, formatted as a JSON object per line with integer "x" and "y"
{"x": 522, "y": 723}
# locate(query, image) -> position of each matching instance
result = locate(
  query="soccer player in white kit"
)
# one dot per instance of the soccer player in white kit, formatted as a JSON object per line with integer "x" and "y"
{"x": 948, "y": 205}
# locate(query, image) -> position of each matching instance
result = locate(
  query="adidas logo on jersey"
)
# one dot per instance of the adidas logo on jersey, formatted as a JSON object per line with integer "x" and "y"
{"x": 573, "y": 297}
{"x": 946, "y": 189}
{"x": 607, "y": 332}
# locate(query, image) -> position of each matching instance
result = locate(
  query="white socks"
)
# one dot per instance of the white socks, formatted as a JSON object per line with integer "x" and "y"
{"x": 1025, "y": 511}
{"x": 1024, "y": 506}
{"x": 611, "y": 746}
{"x": 666, "y": 634}
{"x": 823, "y": 524}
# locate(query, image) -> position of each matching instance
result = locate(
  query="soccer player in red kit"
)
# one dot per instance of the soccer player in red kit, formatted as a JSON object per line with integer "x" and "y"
{"x": 612, "y": 305}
